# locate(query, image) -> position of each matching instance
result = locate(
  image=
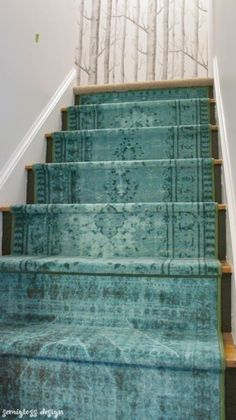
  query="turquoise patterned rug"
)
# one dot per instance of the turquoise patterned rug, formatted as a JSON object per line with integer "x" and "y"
{"x": 110, "y": 299}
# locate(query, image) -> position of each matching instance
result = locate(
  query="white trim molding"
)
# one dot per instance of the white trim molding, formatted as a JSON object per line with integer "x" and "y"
{"x": 230, "y": 195}
{"x": 35, "y": 127}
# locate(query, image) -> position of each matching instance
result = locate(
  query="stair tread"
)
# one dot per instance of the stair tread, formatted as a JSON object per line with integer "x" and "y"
{"x": 127, "y": 92}
{"x": 139, "y": 114}
{"x": 47, "y": 339}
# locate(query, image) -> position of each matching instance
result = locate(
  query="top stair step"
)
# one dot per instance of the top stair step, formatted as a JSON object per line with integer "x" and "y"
{"x": 153, "y": 90}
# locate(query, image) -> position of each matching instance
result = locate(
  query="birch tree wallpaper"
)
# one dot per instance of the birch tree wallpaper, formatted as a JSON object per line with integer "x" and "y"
{"x": 136, "y": 40}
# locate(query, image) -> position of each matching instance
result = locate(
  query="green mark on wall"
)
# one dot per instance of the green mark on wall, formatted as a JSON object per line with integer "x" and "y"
{"x": 37, "y": 38}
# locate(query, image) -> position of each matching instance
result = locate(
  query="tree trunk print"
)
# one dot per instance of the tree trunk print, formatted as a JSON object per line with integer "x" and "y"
{"x": 94, "y": 41}
{"x": 136, "y": 41}
{"x": 151, "y": 40}
{"x": 173, "y": 41}
{"x": 80, "y": 43}
{"x": 107, "y": 42}
{"x": 123, "y": 43}
{"x": 182, "y": 39}
{"x": 115, "y": 40}
{"x": 196, "y": 39}
{"x": 165, "y": 39}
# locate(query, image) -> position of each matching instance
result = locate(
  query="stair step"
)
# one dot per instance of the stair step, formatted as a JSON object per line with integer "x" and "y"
{"x": 98, "y": 368}
{"x": 181, "y": 180}
{"x": 152, "y": 84}
{"x": 132, "y": 144}
{"x": 157, "y": 301}
{"x": 116, "y": 230}
{"x": 139, "y": 114}
{"x": 154, "y": 90}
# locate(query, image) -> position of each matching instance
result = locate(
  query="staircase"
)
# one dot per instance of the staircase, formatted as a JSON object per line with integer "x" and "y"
{"x": 110, "y": 295}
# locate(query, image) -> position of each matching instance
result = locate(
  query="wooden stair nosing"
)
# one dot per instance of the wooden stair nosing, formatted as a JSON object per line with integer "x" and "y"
{"x": 226, "y": 267}
{"x": 229, "y": 350}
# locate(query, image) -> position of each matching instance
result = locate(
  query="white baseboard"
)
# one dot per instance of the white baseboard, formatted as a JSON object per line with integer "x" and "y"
{"x": 230, "y": 196}
{"x": 34, "y": 129}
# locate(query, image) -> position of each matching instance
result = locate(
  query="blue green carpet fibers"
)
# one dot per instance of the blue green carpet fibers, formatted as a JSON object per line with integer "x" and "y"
{"x": 109, "y": 301}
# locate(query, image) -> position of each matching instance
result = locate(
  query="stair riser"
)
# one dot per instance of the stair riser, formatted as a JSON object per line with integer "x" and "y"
{"x": 226, "y": 303}
{"x": 149, "y": 114}
{"x": 144, "y": 95}
{"x": 113, "y": 301}
{"x": 131, "y": 144}
{"x": 230, "y": 392}
{"x": 152, "y": 230}
{"x": 161, "y": 181}
{"x": 108, "y": 391}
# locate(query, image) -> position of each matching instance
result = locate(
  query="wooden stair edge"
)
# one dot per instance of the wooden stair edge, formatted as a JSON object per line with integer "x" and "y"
{"x": 222, "y": 207}
{"x": 229, "y": 350}
{"x": 226, "y": 267}
{"x": 145, "y": 85}
{"x": 5, "y": 209}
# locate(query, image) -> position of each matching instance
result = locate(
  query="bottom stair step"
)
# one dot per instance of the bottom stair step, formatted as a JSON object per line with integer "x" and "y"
{"x": 110, "y": 373}
{"x": 119, "y": 338}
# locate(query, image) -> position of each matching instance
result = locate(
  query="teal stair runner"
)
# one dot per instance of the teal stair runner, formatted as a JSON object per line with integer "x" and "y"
{"x": 109, "y": 303}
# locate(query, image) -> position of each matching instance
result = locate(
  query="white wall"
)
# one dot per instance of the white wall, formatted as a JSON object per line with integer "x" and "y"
{"x": 222, "y": 44}
{"x": 31, "y": 73}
